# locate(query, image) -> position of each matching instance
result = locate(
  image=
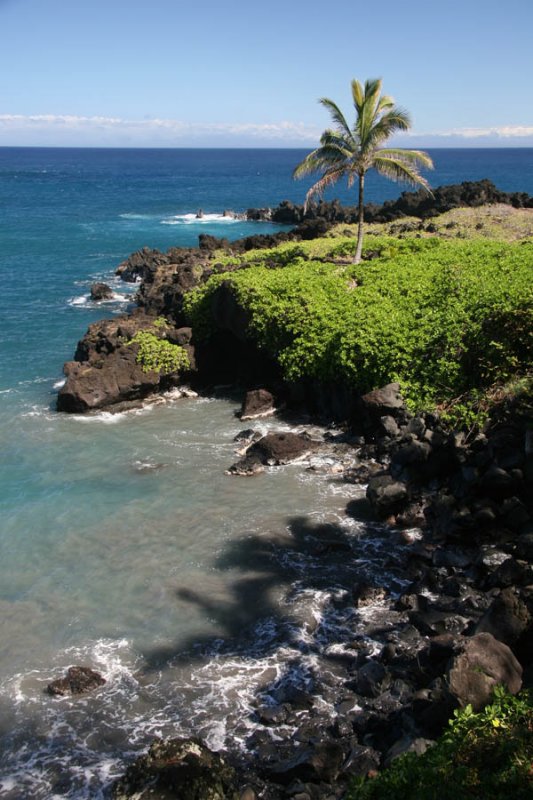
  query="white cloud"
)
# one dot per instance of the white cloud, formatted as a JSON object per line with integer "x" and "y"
{"x": 496, "y": 132}
{"x": 43, "y": 128}
{"x": 70, "y": 129}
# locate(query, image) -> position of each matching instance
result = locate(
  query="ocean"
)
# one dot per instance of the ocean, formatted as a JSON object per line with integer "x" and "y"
{"x": 124, "y": 546}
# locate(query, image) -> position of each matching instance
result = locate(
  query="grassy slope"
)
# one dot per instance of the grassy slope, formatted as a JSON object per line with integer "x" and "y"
{"x": 450, "y": 317}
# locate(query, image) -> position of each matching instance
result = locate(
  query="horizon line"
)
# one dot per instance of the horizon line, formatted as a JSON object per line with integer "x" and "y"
{"x": 491, "y": 146}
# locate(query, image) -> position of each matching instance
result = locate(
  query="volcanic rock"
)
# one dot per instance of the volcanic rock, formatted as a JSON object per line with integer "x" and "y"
{"x": 78, "y": 680}
{"x": 386, "y": 495}
{"x": 506, "y": 618}
{"x": 101, "y": 291}
{"x": 482, "y": 663}
{"x": 282, "y": 448}
{"x": 178, "y": 768}
{"x": 258, "y": 403}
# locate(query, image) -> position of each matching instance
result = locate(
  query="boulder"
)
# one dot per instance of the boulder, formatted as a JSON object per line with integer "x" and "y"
{"x": 101, "y": 291}
{"x": 386, "y": 401}
{"x": 386, "y": 495}
{"x": 274, "y": 449}
{"x": 78, "y": 680}
{"x": 321, "y": 762}
{"x": 481, "y": 664}
{"x": 372, "y": 679}
{"x": 178, "y": 769}
{"x": 506, "y": 618}
{"x": 258, "y": 403}
{"x": 282, "y": 448}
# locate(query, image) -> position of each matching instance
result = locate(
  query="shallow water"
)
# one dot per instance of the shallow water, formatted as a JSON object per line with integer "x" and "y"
{"x": 191, "y": 590}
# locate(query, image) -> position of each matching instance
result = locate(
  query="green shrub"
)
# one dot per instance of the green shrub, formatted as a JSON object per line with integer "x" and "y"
{"x": 442, "y": 317}
{"x": 484, "y": 756}
{"x": 158, "y": 354}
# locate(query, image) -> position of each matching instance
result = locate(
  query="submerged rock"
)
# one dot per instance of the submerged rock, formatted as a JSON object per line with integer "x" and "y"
{"x": 178, "y": 769}
{"x": 78, "y": 680}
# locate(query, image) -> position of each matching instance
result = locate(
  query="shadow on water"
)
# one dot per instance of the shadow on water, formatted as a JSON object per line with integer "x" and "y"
{"x": 313, "y": 559}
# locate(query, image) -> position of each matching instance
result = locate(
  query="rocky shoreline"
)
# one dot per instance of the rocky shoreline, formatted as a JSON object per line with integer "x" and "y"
{"x": 457, "y": 623}
{"x": 459, "y": 508}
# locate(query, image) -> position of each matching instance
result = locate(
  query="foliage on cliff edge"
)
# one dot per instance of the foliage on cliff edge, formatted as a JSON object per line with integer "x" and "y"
{"x": 444, "y": 318}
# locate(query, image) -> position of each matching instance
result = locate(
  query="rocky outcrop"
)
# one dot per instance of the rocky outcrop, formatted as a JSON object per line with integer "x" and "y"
{"x": 106, "y": 370}
{"x": 101, "y": 291}
{"x": 178, "y": 769}
{"x": 78, "y": 680}
{"x": 139, "y": 264}
{"x": 417, "y": 204}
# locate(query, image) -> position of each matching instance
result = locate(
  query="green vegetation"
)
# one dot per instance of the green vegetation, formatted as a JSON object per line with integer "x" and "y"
{"x": 158, "y": 354}
{"x": 351, "y": 152}
{"x": 448, "y": 319}
{"x": 485, "y": 756}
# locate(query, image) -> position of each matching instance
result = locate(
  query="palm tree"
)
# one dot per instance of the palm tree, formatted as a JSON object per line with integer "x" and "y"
{"x": 351, "y": 152}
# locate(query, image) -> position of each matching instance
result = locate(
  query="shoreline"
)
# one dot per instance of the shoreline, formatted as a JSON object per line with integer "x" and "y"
{"x": 401, "y": 691}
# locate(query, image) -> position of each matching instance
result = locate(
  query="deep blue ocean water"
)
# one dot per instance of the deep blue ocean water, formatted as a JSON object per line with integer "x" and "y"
{"x": 102, "y": 519}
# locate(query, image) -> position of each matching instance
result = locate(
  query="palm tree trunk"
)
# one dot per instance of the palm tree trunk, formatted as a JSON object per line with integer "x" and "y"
{"x": 360, "y": 220}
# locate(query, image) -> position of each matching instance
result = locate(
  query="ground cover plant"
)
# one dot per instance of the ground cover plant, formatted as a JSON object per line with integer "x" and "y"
{"x": 483, "y": 756}
{"x": 446, "y": 318}
{"x": 155, "y": 353}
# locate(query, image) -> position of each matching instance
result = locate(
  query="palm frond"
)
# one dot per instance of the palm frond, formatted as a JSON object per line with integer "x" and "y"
{"x": 399, "y": 170}
{"x": 329, "y": 177}
{"x": 334, "y": 151}
{"x": 394, "y": 120}
{"x": 417, "y": 157}
{"x": 385, "y": 103}
{"x": 336, "y": 115}
{"x": 369, "y": 113}
{"x": 357, "y": 95}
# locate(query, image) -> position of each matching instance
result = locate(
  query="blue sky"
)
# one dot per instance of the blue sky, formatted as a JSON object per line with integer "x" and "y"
{"x": 180, "y": 73}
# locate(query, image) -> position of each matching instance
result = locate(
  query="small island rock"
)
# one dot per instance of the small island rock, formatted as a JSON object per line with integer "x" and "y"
{"x": 101, "y": 291}
{"x": 78, "y": 680}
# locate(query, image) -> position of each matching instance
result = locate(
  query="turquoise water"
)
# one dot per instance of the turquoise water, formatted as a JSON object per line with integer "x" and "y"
{"x": 123, "y": 543}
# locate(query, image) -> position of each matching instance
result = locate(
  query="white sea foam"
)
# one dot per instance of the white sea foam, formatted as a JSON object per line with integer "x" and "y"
{"x": 132, "y": 215}
{"x": 81, "y": 300}
{"x": 60, "y": 383}
{"x": 194, "y": 219}
{"x": 107, "y": 417}
{"x": 36, "y": 411}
